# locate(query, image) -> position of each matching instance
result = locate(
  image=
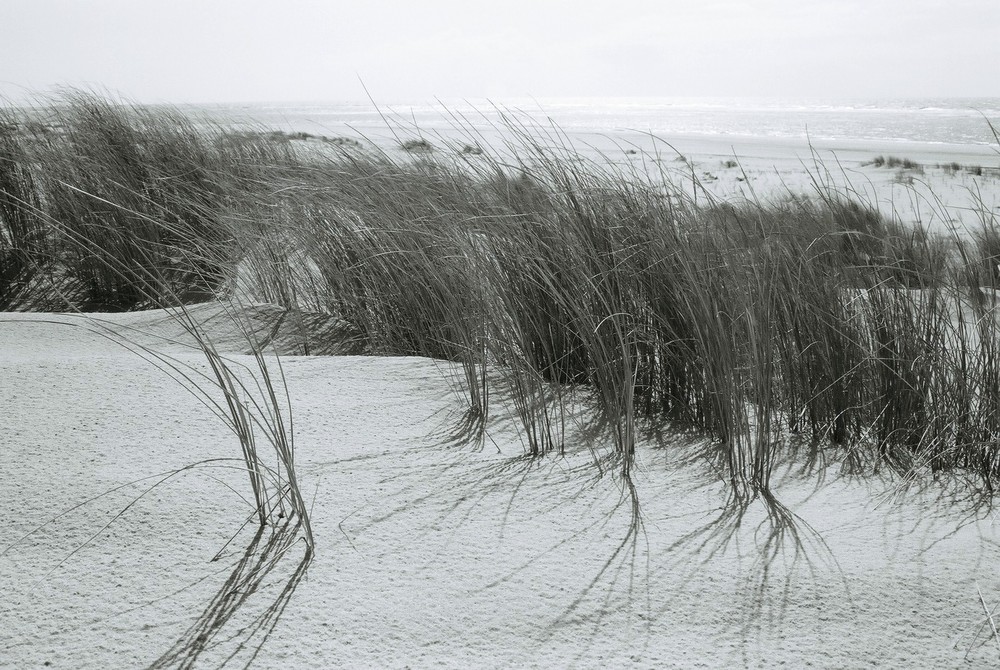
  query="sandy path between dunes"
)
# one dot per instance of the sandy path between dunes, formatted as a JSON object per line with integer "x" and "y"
{"x": 433, "y": 555}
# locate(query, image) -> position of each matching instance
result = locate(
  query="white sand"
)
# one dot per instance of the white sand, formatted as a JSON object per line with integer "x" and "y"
{"x": 932, "y": 196}
{"x": 775, "y": 168}
{"x": 430, "y": 555}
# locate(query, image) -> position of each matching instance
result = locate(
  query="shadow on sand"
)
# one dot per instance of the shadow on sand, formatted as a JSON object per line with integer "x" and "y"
{"x": 263, "y": 556}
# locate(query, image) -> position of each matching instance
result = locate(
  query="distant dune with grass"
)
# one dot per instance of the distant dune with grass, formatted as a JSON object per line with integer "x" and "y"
{"x": 321, "y": 402}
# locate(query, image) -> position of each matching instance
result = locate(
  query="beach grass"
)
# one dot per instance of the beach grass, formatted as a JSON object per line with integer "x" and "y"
{"x": 896, "y": 162}
{"x": 113, "y": 207}
{"x": 546, "y": 276}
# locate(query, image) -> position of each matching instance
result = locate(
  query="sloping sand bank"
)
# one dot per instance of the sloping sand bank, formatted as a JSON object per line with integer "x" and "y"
{"x": 428, "y": 554}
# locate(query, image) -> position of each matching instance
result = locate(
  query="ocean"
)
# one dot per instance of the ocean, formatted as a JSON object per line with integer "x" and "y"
{"x": 926, "y": 121}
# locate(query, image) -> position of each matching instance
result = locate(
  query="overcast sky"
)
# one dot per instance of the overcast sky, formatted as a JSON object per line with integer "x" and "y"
{"x": 298, "y": 50}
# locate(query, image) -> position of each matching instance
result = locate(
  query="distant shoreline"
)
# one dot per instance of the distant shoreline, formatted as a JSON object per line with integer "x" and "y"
{"x": 930, "y": 121}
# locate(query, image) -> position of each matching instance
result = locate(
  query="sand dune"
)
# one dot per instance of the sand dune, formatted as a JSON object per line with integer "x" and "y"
{"x": 429, "y": 554}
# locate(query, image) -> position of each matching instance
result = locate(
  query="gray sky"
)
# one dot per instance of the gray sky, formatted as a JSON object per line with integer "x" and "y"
{"x": 252, "y": 50}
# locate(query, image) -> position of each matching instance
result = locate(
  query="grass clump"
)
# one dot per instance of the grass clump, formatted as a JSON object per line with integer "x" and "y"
{"x": 128, "y": 201}
{"x": 417, "y": 146}
{"x": 955, "y": 167}
{"x": 742, "y": 322}
{"x": 896, "y": 162}
{"x": 137, "y": 208}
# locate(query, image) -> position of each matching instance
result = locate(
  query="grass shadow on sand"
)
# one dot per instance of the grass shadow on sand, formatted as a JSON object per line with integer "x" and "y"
{"x": 256, "y": 569}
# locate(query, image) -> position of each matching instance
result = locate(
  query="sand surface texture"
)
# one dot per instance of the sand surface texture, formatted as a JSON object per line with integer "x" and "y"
{"x": 430, "y": 554}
